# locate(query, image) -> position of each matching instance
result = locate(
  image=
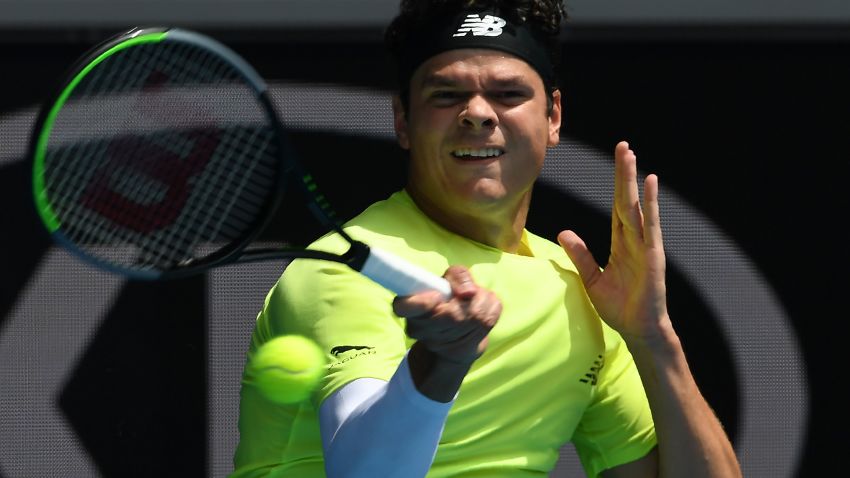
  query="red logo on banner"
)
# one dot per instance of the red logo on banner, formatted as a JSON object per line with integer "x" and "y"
{"x": 134, "y": 156}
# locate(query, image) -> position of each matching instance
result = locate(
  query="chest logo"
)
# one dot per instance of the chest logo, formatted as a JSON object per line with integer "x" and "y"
{"x": 339, "y": 349}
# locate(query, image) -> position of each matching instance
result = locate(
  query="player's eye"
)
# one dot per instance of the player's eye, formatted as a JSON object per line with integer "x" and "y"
{"x": 510, "y": 96}
{"x": 445, "y": 97}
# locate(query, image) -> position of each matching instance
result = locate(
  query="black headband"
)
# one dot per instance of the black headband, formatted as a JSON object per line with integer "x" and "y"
{"x": 475, "y": 29}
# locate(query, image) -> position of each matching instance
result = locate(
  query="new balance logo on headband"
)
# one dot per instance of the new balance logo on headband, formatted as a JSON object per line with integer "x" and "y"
{"x": 489, "y": 26}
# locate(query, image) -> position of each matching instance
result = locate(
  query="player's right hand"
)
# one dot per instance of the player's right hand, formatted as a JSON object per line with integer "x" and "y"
{"x": 454, "y": 330}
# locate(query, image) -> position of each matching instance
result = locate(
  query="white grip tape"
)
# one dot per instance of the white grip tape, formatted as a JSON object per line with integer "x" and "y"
{"x": 401, "y": 276}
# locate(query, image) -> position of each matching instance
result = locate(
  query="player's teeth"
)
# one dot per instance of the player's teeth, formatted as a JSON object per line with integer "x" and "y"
{"x": 478, "y": 153}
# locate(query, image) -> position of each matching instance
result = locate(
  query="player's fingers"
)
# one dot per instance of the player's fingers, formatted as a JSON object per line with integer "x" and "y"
{"x": 652, "y": 213}
{"x": 621, "y": 147}
{"x": 455, "y": 319}
{"x": 581, "y": 256}
{"x": 445, "y": 322}
{"x": 416, "y": 305}
{"x": 459, "y": 277}
{"x": 485, "y": 309}
{"x": 626, "y": 196}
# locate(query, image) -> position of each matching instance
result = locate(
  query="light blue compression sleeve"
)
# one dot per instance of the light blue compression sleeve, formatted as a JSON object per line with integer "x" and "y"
{"x": 374, "y": 428}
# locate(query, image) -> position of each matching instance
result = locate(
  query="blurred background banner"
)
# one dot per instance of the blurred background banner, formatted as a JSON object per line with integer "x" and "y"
{"x": 376, "y": 13}
{"x": 740, "y": 107}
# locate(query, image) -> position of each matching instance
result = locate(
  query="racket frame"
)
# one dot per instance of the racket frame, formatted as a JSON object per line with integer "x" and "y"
{"x": 236, "y": 251}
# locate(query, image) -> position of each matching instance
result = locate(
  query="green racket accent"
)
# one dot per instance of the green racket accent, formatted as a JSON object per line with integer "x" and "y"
{"x": 45, "y": 210}
{"x": 311, "y": 186}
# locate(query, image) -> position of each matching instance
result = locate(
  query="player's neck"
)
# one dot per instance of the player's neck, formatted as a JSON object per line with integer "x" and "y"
{"x": 500, "y": 227}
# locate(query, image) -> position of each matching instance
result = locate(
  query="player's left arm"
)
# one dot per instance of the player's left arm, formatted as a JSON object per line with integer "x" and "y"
{"x": 630, "y": 296}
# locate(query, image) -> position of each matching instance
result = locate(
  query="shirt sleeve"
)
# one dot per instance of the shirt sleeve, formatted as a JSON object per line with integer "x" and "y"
{"x": 366, "y": 428}
{"x": 617, "y": 427}
{"x": 347, "y": 315}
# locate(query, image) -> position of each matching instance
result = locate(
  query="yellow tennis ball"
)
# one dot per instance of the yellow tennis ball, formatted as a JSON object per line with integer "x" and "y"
{"x": 287, "y": 369}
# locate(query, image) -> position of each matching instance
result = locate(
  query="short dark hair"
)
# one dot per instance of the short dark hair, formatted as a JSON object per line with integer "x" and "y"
{"x": 542, "y": 16}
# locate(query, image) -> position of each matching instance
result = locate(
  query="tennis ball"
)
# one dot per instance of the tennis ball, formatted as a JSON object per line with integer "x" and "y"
{"x": 287, "y": 369}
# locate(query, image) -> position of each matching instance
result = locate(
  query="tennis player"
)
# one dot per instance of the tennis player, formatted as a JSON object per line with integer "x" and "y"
{"x": 539, "y": 345}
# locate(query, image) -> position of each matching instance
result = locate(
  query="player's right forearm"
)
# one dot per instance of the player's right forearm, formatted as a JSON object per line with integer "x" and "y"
{"x": 393, "y": 432}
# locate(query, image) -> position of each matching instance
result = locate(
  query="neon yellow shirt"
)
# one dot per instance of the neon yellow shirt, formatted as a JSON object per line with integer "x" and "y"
{"x": 553, "y": 372}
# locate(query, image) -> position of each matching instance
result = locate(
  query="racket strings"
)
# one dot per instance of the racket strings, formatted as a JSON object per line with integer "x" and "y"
{"x": 169, "y": 191}
{"x": 98, "y": 229}
{"x": 222, "y": 194}
{"x": 109, "y": 79}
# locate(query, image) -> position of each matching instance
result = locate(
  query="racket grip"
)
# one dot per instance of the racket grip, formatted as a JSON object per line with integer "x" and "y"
{"x": 401, "y": 276}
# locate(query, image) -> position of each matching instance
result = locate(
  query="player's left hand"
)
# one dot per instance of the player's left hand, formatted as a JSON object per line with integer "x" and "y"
{"x": 630, "y": 292}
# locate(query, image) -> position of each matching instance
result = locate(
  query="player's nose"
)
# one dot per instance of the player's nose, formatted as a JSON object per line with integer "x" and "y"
{"x": 478, "y": 113}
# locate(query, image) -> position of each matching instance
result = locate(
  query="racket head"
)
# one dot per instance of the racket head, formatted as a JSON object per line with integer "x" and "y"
{"x": 160, "y": 156}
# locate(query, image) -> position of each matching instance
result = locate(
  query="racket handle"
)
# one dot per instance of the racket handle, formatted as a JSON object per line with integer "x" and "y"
{"x": 401, "y": 276}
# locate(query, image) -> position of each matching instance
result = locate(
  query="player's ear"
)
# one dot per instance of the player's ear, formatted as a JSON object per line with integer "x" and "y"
{"x": 555, "y": 119}
{"x": 400, "y": 123}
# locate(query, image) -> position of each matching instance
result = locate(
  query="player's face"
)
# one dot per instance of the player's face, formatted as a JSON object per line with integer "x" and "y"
{"x": 477, "y": 130}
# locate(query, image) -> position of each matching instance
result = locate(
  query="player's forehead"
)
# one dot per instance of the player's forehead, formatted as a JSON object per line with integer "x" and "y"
{"x": 454, "y": 67}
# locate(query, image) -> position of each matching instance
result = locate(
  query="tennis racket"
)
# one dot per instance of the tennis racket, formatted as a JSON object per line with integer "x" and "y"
{"x": 162, "y": 156}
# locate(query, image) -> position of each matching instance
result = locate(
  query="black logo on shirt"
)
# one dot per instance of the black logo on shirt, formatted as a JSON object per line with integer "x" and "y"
{"x": 360, "y": 350}
{"x": 592, "y": 375}
{"x": 341, "y": 349}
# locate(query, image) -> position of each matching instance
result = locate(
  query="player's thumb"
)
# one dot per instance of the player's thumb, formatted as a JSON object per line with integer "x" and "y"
{"x": 578, "y": 252}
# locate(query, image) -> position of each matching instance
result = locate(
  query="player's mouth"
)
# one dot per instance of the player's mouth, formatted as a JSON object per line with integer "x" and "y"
{"x": 477, "y": 154}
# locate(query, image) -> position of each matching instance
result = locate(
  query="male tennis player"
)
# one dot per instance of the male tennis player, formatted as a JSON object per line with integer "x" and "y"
{"x": 538, "y": 346}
